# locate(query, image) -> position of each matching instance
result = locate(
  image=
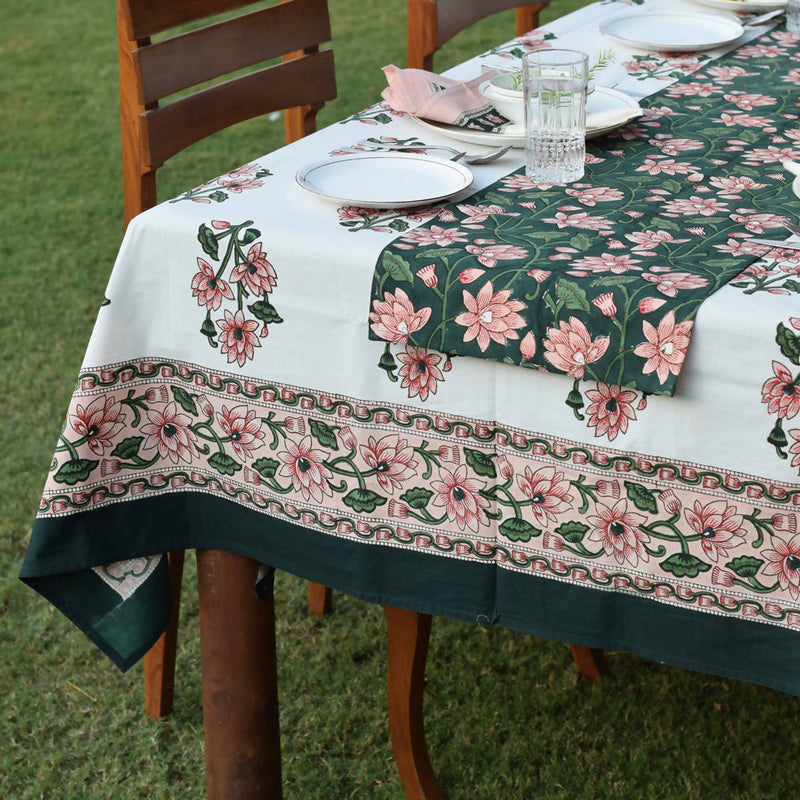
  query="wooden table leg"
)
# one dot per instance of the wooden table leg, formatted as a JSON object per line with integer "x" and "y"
{"x": 240, "y": 689}
{"x": 319, "y": 599}
{"x": 408, "y": 633}
{"x": 590, "y": 661}
{"x": 159, "y": 660}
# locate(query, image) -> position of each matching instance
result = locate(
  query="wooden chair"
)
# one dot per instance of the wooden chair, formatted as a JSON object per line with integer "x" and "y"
{"x": 154, "y": 131}
{"x": 431, "y": 23}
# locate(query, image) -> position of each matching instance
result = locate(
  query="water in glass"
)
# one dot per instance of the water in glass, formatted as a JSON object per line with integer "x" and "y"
{"x": 793, "y": 16}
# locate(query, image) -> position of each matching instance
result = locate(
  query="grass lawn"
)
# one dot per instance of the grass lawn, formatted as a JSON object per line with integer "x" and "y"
{"x": 506, "y": 715}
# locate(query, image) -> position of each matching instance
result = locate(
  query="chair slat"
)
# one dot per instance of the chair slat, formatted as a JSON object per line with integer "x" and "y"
{"x": 456, "y": 15}
{"x": 182, "y": 122}
{"x": 147, "y": 17}
{"x": 191, "y": 58}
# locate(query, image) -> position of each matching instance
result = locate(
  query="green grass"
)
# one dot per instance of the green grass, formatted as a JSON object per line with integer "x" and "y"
{"x": 506, "y": 715}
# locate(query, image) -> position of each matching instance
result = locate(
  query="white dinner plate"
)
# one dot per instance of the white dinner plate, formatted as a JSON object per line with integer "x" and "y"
{"x": 665, "y": 32}
{"x": 743, "y": 5}
{"x": 385, "y": 180}
{"x": 601, "y": 101}
{"x": 796, "y": 186}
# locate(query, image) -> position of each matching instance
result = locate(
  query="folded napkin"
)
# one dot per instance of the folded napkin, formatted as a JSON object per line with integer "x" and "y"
{"x": 430, "y": 96}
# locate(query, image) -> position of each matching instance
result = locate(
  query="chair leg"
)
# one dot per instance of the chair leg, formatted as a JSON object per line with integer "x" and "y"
{"x": 240, "y": 685}
{"x": 590, "y": 661}
{"x": 159, "y": 661}
{"x": 319, "y": 599}
{"x": 408, "y": 633}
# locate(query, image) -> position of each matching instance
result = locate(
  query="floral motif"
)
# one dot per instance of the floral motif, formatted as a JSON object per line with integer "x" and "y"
{"x": 610, "y": 410}
{"x": 420, "y": 372}
{"x": 665, "y": 348}
{"x": 207, "y": 288}
{"x": 392, "y": 459}
{"x": 784, "y": 561}
{"x": 169, "y": 432}
{"x": 461, "y": 498}
{"x": 782, "y": 392}
{"x": 617, "y": 529}
{"x": 491, "y": 316}
{"x": 719, "y": 526}
{"x": 255, "y": 272}
{"x": 306, "y": 467}
{"x": 237, "y": 337}
{"x": 570, "y": 347}
{"x": 548, "y": 492}
{"x": 243, "y": 428}
{"x": 98, "y": 423}
{"x": 394, "y": 318}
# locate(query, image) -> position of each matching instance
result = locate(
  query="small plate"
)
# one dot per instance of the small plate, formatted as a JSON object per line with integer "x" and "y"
{"x": 743, "y": 5}
{"x": 385, "y": 180}
{"x": 673, "y": 33}
{"x": 601, "y": 101}
{"x": 796, "y": 186}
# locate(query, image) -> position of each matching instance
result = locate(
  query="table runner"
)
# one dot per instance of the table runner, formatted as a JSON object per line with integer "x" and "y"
{"x": 603, "y": 279}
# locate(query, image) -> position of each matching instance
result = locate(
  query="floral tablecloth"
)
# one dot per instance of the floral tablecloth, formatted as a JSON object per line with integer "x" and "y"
{"x": 230, "y": 397}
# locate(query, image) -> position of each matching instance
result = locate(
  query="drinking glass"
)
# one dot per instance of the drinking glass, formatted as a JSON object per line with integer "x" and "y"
{"x": 793, "y": 16}
{"x": 554, "y": 85}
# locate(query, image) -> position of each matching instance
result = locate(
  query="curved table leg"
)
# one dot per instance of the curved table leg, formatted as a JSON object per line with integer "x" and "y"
{"x": 590, "y": 661}
{"x": 408, "y": 633}
{"x": 240, "y": 687}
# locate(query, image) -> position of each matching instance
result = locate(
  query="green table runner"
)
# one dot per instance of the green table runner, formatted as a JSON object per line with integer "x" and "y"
{"x": 602, "y": 279}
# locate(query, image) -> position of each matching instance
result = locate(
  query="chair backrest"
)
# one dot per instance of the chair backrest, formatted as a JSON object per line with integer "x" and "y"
{"x": 431, "y": 23}
{"x": 149, "y": 71}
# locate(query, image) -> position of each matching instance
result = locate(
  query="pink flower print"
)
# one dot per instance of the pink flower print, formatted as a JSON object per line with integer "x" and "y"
{"x": 420, "y": 372}
{"x": 435, "y": 235}
{"x": 757, "y": 50}
{"x": 490, "y": 316}
{"x": 607, "y": 263}
{"x": 257, "y": 274}
{"x": 428, "y": 275}
{"x": 548, "y": 492}
{"x": 610, "y": 409}
{"x": 768, "y": 155}
{"x": 392, "y": 459}
{"x": 792, "y": 76}
{"x": 781, "y": 393}
{"x": 395, "y": 319}
{"x": 461, "y": 498}
{"x": 238, "y": 184}
{"x": 306, "y": 467}
{"x": 668, "y": 283}
{"x": 98, "y": 422}
{"x": 795, "y": 322}
{"x": 489, "y": 255}
{"x": 571, "y": 348}
{"x": 784, "y": 561}
{"x": 245, "y": 169}
{"x": 527, "y": 347}
{"x": 238, "y": 337}
{"x": 732, "y": 186}
{"x": 695, "y": 205}
{"x": 645, "y": 242}
{"x": 647, "y": 305}
{"x": 539, "y": 275}
{"x": 474, "y": 215}
{"x": 671, "y": 147}
{"x": 723, "y": 74}
{"x": 597, "y": 194}
{"x": 605, "y": 302}
{"x": 795, "y": 448}
{"x": 170, "y": 433}
{"x": 719, "y": 527}
{"x": 244, "y": 429}
{"x": 747, "y": 102}
{"x": 740, "y": 247}
{"x": 470, "y": 275}
{"x": 757, "y": 223}
{"x": 692, "y": 89}
{"x": 745, "y": 120}
{"x": 665, "y": 348}
{"x": 581, "y": 220}
{"x": 516, "y": 183}
{"x": 207, "y": 288}
{"x": 617, "y": 529}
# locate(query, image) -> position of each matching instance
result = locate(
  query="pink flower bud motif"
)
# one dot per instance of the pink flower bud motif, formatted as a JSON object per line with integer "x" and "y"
{"x": 110, "y": 466}
{"x": 504, "y": 467}
{"x": 606, "y": 488}
{"x": 295, "y": 425}
{"x": 697, "y": 230}
{"x": 205, "y": 406}
{"x": 157, "y": 394}
{"x": 539, "y": 274}
{"x": 605, "y": 302}
{"x": 671, "y": 501}
{"x": 642, "y": 404}
{"x": 470, "y": 275}
{"x": 552, "y": 542}
{"x": 450, "y": 453}
{"x": 529, "y": 204}
{"x": 527, "y": 347}
{"x": 615, "y": 244}
{"x": 795, "y": 322}
{"x": 446, "y": 215}
{"x": 785, "y": 523}
{"x": 650, "y": 304}
{"x": 721, "y": 577}
{"x": 398, "y": 510}
{"x": 347, "y": 437}
{"x": 220, "y": 224}
{"x": 428, "y": 275}
{"x": 448, "y": 365}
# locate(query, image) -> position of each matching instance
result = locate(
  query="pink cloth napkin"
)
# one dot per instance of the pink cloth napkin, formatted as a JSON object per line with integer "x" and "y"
{"x": 430, "y": 96}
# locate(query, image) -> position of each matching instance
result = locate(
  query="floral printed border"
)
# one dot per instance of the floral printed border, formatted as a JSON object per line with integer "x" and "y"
{"x": 675, "y": 532}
